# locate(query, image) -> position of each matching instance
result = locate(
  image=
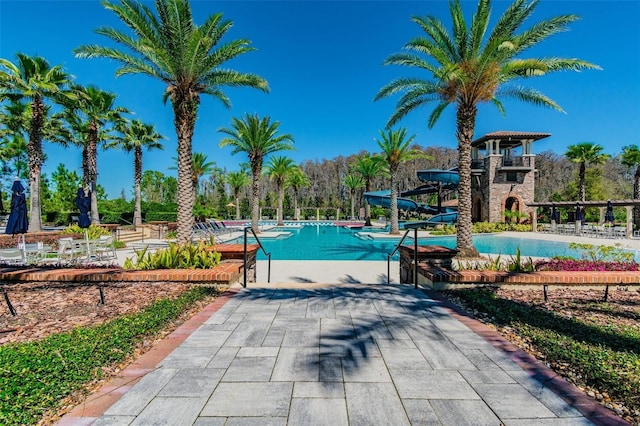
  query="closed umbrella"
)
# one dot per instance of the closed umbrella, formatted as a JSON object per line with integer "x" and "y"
{"x": 17, "y": 223}
{"x": 83, "y": 203}
{"x": 608, "y": 217}
{"x": 555, "y": 215}
{"x": 578, "y": 213}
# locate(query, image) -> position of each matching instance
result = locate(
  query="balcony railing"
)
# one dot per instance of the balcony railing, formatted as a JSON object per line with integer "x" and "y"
{"x": 516, "y": 162}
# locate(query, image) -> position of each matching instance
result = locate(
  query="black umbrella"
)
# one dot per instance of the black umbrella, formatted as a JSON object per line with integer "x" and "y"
{"x": 608, "y": 217}
{"x": 555, "y": 215}
{"x": 578, "y": 213}
{"x": 17, "y": 223}
{"x": 83, "y": 203}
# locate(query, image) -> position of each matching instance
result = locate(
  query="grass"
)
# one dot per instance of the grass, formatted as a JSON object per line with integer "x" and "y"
{"x": 35, "y": 377}
{"x": 607, "y": 356}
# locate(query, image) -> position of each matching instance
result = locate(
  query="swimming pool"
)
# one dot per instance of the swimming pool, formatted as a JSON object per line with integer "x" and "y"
{"x": 321, "y": 242}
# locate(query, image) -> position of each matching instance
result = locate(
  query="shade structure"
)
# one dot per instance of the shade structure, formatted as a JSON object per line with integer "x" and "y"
{"x": 83, "y": 203}
{"x": 17, "y": 223}
{"x": 608, "y": 216}
{"x": 231, "y": 205}
{"x": 555, "y": 214}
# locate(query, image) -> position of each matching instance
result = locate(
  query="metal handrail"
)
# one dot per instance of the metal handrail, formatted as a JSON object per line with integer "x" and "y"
{"x": 130, "y": 223}
{"x": 248, "y": 228}
{"x": 415, "y": 256}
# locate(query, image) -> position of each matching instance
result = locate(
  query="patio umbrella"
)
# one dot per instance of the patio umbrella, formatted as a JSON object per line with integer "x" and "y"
{"x": 578, "y": 213}
{"x": 83, "y": 203}
{"x": 17, "y": 222}
{"x": 608, "y": 217}
{"x": 555, "y": 215}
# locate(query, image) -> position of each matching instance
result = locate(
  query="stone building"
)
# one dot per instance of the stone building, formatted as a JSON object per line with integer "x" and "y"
{"x": 503, "y": 175}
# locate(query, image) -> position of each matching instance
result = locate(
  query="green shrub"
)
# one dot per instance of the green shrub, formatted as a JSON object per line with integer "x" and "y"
{"x": 37, "y": 376}
{"x": 93, "y": 231}
{"x": 176, "y": 256}
{"x": 613, "y": 253}
{"x": 164, "y": 216}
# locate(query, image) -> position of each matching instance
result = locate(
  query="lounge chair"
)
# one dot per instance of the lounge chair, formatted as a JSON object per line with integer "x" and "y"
{"x": 104, "y": 248}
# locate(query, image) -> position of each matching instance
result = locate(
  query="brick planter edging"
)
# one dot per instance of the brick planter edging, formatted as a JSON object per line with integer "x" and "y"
{"x": 227, "y": 272}
{"x": 440, "y": 278}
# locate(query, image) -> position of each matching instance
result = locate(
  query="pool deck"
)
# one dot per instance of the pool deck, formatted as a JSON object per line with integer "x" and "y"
{"x": 328, "y": 343}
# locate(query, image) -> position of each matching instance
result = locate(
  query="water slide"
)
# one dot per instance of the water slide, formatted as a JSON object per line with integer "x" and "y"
{"x": 438, "y": 180}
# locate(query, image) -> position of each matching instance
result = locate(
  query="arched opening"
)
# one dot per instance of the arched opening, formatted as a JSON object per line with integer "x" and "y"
{"x": 476, "y": 210}
{"x": 512, "y": 211}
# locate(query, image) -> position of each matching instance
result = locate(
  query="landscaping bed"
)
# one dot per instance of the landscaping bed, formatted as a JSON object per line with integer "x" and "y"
{"x": 593, "y": 344}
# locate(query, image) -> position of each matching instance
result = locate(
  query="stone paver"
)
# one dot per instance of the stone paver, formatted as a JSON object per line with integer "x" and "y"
{"x": 348, "y": 354}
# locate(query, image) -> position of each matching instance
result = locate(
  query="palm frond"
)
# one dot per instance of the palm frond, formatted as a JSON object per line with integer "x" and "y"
{"x": 436, "y": 113}
{"x": 528, "y": 95}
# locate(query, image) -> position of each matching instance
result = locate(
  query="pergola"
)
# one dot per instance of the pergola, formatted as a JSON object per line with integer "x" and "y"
{"x": 602, "y": 205}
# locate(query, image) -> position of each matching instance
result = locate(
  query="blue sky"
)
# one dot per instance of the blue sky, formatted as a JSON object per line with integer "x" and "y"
{"x": 323, "y": 61}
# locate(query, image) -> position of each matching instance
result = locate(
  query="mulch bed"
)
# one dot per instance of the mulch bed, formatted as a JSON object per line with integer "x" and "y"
{"x": 47, "y": 308}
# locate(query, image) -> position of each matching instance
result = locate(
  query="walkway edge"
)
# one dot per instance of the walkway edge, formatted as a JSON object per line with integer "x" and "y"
{"x": 109, "y": 392}
{"x": 570, "y": 393}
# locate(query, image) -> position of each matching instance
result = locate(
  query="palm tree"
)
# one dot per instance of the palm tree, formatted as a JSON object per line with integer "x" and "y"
{"x": 97, "y": 107}
{"x": 258, "y": 138}
{"x": 185, "y": 56}
{"x": 199, "y": 167}
{"x": 297, "y": 179}
{"x": 237, "y": 181}
{"x": 582, "y": 154}
{"x": 631, "y": 158}
{"x": 369, "y": 168}
{"x": 466, "y": 72}
{"x": 15, "y": 121}
{"x": 396, "y": 149}
{"x": 134, "y": 136}
{"x": 33, "y": 80}
{"x": 353, "y": 182}
{"x": 278, "y": 169}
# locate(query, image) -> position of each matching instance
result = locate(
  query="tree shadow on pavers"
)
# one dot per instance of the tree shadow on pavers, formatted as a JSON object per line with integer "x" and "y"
{"x": 384, "y": 279}
{"x": 349, "y": 279}
{"x": 353, "y": 319}
{"x": 365, "y": 248}
{"x": 301, "y": 280}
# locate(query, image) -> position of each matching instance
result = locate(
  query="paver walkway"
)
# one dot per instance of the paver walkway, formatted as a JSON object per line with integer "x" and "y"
{"x": 347, "y": 354}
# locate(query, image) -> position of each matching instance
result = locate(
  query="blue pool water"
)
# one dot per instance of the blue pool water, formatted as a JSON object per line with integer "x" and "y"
{"x": 318, "y": 242}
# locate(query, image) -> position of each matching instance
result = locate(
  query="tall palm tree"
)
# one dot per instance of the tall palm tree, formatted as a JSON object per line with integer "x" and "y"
{"x": 14, "y": 122}
{"x": 200, "y": 167}
{"x": 585, "y": 153}
{"x": 257, "y": 137}
{"x": 470, "y": 66}
{"x": 631, "y": 158}
{"x": 396, "y": 149}
{"x": 237, "y": 180}
{"x": 189, "y": 59}
{"x": 100, "y": 115}
{"x": 353, "y": 183}
{"x": 136, "y": 136}
{"x": 33, "y": 80}
{"x": 369, "y": 168}
{"x": 278, "y": 169}
{"x": 296, "y": 180}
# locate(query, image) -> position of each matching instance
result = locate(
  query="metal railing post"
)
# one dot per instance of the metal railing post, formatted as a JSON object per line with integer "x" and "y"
{"x": 244, "y": 283}
{"x": 415, "y": 258}
{"x": 394, "y": 252}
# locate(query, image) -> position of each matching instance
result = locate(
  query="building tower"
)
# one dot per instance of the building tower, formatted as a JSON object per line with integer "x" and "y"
{"x": 503, "y": 175}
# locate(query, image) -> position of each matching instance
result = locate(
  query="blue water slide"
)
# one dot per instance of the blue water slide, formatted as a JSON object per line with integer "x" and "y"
{"x": 436, "y": 175}
{"x": 383, "y": 199}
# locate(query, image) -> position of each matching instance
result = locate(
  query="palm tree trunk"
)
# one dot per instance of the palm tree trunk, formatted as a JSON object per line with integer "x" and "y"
{"x": 137, "y": 167}
{"x": 636, "y": 195}
{"x": 296, "y": 216}
{"x": 353, "y": 205}
{"x": 465, "y": 121}
{"x": 34, "y": 152}
{"x": 583, "y": 190}
{"x": 367, "y": 207}
{"x": 185, "y": 110}
{"x": 281, "y": 204}
{"x": 395, "y": 228}
{"x": 255, "y": 197}
{"x": 237, "y": 198}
